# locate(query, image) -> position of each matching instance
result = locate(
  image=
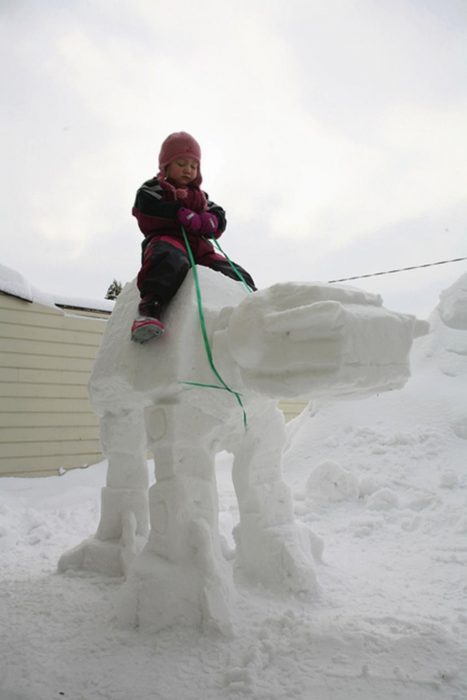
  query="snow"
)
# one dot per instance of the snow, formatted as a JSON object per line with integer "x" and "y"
{"x": 453, "y": 305}
{"x": 382, "y": 483}
{"x": 14, "y": 283}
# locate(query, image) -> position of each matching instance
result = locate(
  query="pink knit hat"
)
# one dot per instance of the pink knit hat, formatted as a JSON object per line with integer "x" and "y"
{"x": 179, "y": 145}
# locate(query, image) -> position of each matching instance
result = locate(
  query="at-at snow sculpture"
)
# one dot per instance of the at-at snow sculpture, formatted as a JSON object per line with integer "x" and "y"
{"x": 288, "y": 340}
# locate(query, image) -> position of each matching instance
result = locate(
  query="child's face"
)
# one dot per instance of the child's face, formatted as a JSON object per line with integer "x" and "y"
{"x": 182, "y": 171}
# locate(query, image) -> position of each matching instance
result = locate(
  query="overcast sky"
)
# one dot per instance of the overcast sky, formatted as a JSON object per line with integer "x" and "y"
{"x": 333, "y": 132}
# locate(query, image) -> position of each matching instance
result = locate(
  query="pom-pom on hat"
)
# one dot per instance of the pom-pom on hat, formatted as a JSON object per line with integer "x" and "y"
{"x": 179, "y": 145}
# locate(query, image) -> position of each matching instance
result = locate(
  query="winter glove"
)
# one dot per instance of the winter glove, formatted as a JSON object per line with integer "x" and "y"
{"x": 190, "y": 220}
{"x": 209, "y": 224}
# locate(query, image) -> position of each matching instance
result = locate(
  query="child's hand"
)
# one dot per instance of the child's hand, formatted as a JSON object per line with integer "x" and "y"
{"x": 190, "y": 220}
{"x": 209, "y": 224}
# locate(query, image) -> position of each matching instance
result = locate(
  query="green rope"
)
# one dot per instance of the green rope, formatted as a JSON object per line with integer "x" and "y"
{"x": 204, "y": 332}
{"x": 232, "y": 265}
{"x": 206, "y": 386}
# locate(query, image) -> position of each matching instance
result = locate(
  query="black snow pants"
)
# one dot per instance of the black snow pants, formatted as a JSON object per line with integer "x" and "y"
{"x": 164, "y": 267}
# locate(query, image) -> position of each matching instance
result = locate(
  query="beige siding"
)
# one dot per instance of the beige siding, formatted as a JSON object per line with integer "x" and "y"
{"x": 46, "y": 356}
{"x": 292, "y": 408}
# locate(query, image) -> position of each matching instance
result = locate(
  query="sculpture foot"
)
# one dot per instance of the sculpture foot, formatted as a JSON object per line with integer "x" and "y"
{"x": 108, "y": 557}
{"x": 196, "y": 592}
{"x": 280, "y": 557}
{"x": 93, "y": 555}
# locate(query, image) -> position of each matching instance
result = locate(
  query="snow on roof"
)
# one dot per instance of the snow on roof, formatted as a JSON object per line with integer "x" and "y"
{"x": 14, "y": 284}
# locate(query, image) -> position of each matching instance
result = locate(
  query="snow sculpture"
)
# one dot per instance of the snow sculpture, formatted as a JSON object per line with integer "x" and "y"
{"x": 287, "y": 340}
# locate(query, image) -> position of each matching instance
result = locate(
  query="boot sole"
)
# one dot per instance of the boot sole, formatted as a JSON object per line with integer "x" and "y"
{"x": 145, "y": 333}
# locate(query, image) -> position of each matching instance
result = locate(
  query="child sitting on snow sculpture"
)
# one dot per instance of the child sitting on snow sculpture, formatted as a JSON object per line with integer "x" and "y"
{"x": 164, "y": 205}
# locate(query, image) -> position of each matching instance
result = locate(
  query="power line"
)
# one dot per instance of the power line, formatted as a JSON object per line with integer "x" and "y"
{"x": 401, "y": 269}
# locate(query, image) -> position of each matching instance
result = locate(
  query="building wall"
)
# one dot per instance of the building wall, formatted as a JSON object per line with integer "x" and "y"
{"x": 292, "y": 408}
{"x": 46, "y": 356}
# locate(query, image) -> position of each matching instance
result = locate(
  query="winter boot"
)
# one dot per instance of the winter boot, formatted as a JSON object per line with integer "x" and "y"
{"x": 148, "y": 324}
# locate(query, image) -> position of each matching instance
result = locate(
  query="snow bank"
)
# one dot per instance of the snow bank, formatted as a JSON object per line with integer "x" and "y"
{"x": 452, "y": 307}
{"x": 448, "y": 342}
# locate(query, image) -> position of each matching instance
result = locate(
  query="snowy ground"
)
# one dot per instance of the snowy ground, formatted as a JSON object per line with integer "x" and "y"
{"x": 382, "y": 481}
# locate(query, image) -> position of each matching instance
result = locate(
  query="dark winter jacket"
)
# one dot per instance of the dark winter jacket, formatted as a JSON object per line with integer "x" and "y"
{"x": 155, "y": 209}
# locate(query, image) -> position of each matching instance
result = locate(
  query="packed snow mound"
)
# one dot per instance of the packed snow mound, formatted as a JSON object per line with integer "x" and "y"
{"x": 329, "y": 482}
{"x": 452, "y": 307}
{"x": 447, "y": 342}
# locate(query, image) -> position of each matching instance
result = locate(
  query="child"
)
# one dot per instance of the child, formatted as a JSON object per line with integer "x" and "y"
{"x": 163, "y": 205}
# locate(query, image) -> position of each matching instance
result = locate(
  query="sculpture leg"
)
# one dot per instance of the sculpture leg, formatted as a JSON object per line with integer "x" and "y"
{"x": 124, "y": 520}
{"x": 181, "y": 576}
{"x": 271, "y": 547}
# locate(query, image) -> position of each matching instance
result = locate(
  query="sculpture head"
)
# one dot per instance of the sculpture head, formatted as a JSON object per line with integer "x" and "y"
{"x": 318, "y": 339}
